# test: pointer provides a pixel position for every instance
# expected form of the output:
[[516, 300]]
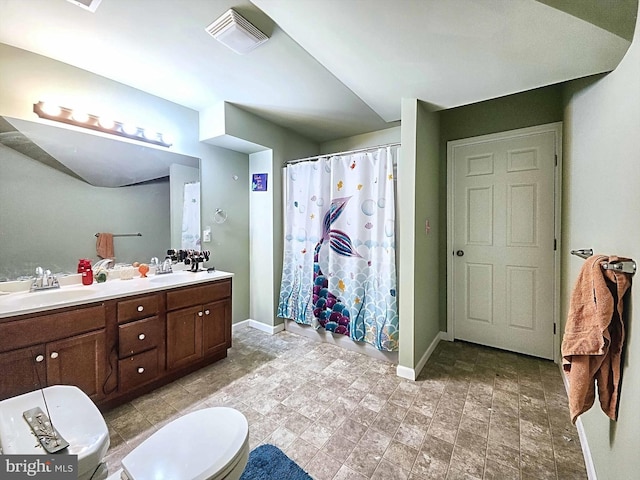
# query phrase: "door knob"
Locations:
[[39, 358], [460, 253], [54, 354]]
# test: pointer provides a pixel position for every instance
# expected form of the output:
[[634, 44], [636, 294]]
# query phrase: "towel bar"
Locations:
[[625, 267], [123, 235]]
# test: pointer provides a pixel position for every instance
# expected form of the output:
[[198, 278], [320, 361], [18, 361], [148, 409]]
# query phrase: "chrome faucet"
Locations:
[[44, 280], [165, 266]]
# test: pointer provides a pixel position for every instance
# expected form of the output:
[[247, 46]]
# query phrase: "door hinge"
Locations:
[[554, 328], [556, 159], [555, 244]]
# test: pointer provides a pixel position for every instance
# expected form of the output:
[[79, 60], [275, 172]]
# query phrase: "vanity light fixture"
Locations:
[[104, 125]]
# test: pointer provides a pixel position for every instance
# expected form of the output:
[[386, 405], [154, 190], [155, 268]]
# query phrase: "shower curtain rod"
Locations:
[[316, 157]]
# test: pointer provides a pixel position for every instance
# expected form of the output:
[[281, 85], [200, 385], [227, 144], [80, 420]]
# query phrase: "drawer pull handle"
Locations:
[[199, 314], [140, 370], [39, 358], [140, 308], [206, 312], [142, 336], [54, 354]]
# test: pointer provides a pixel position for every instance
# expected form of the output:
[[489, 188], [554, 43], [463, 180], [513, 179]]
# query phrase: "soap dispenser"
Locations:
[[84, 268]]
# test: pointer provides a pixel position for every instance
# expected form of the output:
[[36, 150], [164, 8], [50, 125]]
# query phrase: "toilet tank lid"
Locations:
[[196, 446]]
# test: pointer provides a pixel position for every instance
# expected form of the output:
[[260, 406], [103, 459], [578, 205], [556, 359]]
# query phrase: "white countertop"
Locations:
[[20, 303]]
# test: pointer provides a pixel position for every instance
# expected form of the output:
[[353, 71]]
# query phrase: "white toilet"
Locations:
[[72, 413], [207, 444]]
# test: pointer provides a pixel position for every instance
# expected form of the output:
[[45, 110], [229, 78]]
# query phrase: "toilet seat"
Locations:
[[200, 445], [73, 414]]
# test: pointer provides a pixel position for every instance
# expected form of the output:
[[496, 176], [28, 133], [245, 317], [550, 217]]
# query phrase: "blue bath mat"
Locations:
[[267, 462]]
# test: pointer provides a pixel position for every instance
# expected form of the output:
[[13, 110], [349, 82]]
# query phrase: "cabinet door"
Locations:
[[184, 336], [78, 361], [214, 326], [22, 371]]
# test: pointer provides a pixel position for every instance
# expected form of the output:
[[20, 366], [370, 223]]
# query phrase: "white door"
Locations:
[[502, 203]]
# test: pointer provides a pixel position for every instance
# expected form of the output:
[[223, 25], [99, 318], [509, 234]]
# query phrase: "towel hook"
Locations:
[[219, 216], [583, 252]]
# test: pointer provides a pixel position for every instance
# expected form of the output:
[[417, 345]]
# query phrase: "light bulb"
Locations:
[[51, 109], [129, 129], [80, 117], [150, 134], [106, 123]]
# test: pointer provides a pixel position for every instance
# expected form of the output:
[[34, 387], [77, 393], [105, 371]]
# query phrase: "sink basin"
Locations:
[[46, 297], [176, 276]]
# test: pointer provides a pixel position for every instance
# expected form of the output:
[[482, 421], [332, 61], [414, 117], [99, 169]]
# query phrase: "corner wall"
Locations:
[[601, 198], [229, 124], [418, 201]]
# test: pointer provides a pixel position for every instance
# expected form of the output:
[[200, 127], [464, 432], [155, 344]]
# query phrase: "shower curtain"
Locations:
[[339, 255], [191, 217]]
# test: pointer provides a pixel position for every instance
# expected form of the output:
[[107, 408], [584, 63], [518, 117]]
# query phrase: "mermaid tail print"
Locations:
[[330, 310]]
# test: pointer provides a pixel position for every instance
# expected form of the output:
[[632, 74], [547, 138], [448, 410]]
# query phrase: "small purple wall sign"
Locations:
[[259, 182]]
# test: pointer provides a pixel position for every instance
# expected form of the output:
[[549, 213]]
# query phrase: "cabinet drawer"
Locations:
[[186, 297], [48, 327], [140, 307], [139, 336], [138, 369]]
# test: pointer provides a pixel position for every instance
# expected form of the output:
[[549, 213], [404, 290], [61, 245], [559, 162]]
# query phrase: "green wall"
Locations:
[[270, 146], [418, 201], [600, 211]]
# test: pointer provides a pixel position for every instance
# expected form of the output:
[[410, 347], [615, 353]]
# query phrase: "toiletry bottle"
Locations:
[[87, 273]]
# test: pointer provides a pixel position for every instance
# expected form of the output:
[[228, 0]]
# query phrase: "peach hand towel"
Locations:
[[593, 337], [104, 245]]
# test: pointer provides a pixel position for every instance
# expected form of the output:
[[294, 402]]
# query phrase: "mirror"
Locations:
[[59, 187]]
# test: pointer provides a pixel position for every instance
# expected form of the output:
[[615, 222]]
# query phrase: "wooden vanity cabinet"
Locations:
[[60, 348], [141, 341], [118, 349], [198, 323]]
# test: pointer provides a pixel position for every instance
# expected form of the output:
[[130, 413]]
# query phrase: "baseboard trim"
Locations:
[[272, 330], [412, 373], [582, 435]]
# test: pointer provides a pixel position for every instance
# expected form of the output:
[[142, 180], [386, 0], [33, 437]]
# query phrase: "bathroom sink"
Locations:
[[47, 297], [165, 278], [175, 277]]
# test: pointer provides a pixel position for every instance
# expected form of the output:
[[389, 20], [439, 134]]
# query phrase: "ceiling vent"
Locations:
[[90, 5], [235, 32]]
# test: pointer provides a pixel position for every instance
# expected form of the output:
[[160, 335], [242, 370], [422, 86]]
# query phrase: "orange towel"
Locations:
[[104, 245], [593, 337]]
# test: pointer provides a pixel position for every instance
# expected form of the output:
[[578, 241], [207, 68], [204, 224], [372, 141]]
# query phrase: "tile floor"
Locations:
[[474, 412]]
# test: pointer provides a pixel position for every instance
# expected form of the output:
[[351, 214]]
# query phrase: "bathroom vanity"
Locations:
[[115, 340]]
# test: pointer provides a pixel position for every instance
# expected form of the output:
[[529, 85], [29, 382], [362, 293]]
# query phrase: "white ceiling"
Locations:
[[332, 68]]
